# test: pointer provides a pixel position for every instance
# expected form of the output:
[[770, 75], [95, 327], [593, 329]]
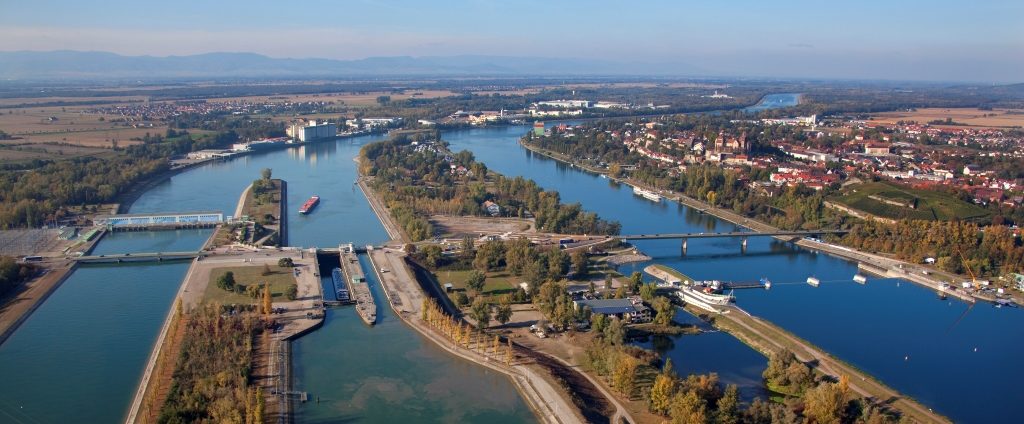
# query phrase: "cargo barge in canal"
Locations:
[[309, 205], [358, 287]]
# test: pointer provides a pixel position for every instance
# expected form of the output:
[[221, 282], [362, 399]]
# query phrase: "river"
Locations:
[[79, 357], [901, 333]]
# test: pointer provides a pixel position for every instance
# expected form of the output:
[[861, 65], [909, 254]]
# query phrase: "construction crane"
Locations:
[[974, 279]]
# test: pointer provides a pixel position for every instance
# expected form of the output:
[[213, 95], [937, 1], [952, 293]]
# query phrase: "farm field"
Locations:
[[894, 202], [997, 118]]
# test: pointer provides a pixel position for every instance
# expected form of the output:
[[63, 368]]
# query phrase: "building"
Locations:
[[566, 104], [492, 208], [312, 130], [630, 310], [876, 148], [538, 128]]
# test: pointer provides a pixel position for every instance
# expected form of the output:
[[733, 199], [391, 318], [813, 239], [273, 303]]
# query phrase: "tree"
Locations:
[[503, 314], [267, 308], [285, 263], [607, 281], [476, 281], [635, 281], [598, 323], [461, 299], [383, 100], [292, 292], [266, 174], [664, 310], [688, 408], [728, 406], [481, 312], [615, 333], [647, 292], [253, 290], [432, 255], [825, 404], [662, 390], [226, 281], [581, 264], [266, 270], [558, 264]]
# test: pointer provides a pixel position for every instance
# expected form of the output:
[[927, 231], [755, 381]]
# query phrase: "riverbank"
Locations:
[[390, 226], [767, 338]]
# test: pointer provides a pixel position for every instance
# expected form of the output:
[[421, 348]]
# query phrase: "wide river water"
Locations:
[[79, 357]]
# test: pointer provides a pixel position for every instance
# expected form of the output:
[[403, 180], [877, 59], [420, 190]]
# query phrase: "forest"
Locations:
[[420, 180], [40, 196]]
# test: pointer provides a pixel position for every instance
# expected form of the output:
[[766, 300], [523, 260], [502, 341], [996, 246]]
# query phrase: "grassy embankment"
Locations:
[[280, 279], [890, 201]]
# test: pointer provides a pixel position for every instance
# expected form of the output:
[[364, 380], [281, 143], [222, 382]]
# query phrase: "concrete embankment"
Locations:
[[390, 226]]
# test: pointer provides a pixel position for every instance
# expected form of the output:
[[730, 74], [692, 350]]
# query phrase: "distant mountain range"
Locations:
[[67, 64]]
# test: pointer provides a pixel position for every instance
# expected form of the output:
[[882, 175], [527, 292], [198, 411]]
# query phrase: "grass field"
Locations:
[[497, 283], [279, 280], [997, 118], [931, 205]]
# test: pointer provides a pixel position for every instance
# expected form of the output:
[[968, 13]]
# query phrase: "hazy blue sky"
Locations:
[[978, 40]]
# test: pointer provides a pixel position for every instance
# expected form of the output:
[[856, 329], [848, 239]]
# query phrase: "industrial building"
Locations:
[[312, 130]]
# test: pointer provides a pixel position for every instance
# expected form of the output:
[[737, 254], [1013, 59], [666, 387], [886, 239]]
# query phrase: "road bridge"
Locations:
[[734, 234], [138, 257]]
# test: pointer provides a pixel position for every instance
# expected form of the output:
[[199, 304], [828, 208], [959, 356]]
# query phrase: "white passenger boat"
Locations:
[[647, 194], [814, 281]]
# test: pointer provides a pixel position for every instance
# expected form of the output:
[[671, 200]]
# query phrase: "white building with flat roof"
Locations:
[[312, 130]]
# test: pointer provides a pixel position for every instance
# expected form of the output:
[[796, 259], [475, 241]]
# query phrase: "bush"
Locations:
[[461, 299], [285, 263], [226, 281], [292, 292]]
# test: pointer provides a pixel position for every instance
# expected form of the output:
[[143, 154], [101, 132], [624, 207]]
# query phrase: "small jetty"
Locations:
[[358, 289]]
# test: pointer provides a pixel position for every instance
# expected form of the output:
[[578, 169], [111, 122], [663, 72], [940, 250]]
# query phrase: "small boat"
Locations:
[[860, 279], [813, 281], [767, 283], [309, 205]]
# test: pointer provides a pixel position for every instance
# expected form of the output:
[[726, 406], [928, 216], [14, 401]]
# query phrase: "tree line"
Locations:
[[13, 273]]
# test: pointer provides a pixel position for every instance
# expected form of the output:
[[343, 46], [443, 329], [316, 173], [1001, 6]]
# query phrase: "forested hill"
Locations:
[[424, 178]]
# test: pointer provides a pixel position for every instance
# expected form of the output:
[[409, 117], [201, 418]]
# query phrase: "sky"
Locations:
[[980, 40]]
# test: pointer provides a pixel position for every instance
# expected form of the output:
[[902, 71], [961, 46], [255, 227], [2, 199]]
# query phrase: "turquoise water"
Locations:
[[79, 357]]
